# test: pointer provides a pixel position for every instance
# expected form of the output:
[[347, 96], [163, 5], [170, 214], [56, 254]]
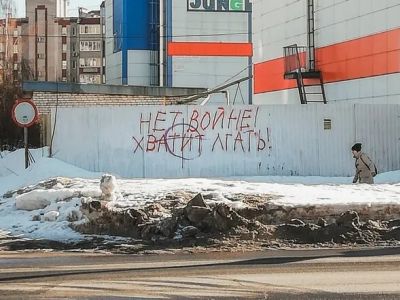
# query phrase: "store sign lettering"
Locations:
[[219, 5]]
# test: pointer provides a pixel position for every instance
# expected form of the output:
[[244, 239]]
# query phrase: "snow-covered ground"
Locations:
[[65, 199]]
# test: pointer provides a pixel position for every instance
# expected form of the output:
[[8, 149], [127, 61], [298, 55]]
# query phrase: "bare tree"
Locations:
[[7, 10], [12, 73], [10, 90]]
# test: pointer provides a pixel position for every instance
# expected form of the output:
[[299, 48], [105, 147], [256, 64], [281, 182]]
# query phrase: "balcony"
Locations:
[[296, 60]]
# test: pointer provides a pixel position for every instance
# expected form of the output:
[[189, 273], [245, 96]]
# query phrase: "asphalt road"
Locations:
[[298, 274]]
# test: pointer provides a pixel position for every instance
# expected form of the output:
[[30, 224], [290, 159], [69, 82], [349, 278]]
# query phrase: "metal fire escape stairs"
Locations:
[[300, 65]]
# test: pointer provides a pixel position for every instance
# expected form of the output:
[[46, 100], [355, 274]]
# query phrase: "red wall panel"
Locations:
[[373, 55], [209, 49]]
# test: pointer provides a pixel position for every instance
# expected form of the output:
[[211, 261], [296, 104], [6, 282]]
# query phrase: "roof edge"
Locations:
[[76, 88]]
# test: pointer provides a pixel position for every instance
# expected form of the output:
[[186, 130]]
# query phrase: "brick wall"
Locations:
[[45, 101]]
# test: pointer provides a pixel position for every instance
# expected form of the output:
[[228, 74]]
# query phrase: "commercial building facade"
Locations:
[[357, 49], [350, 46], [207, 43], [132, 42], [179, 43]]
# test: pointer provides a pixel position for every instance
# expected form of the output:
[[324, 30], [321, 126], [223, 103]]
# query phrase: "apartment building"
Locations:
[[90, 47], [47, 46], [43, 39], [68, 45], [13, 50]]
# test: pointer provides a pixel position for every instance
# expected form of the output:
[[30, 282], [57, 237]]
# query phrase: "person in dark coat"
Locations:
[[365, 168]]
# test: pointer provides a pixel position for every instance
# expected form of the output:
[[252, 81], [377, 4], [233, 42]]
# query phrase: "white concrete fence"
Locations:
[[212, 141]]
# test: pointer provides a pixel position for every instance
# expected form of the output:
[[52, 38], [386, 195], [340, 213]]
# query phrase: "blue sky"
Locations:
[[73, 7]]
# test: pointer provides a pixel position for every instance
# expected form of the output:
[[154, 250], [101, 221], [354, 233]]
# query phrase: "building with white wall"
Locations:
[[132, 42], [179, 43], [206, 44], [357, 49]]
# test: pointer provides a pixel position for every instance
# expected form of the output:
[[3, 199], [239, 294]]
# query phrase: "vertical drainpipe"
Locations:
[[124, 41], [161, 52], [250, 60], [168, 24], [310, 34]]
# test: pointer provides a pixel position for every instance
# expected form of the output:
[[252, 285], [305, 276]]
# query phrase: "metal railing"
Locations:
[[295, 58]]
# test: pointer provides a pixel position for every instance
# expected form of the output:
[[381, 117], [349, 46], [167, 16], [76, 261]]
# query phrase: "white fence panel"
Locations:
[[213, 141], [378, 128]]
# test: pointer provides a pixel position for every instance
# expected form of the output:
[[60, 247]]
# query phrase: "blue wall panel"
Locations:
[[133, 23], [118, 29], [136, 27], [136, 18]]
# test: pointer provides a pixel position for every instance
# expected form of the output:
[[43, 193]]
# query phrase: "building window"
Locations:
[[64, 64], [64, 47], [41, 39], [40, 56], [15, 48], [117, 42], [1, 47], [73, 47], [15, 67], [90, 62], [73, 31], [90, 46], [89, 29], [87, 78], [64, 30], [74, 64], [16, 33]]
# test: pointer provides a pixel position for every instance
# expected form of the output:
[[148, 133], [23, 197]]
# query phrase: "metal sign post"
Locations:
[[26, 147], [25, 114]]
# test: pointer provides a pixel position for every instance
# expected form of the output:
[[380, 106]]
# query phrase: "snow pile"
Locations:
[[31, 213], [50, 216], [14, 162], [109, 188], [47, 212], [39, 199], [16, 176], [35, 224]]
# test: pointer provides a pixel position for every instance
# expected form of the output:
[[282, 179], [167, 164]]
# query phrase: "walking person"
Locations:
[[365, 168]]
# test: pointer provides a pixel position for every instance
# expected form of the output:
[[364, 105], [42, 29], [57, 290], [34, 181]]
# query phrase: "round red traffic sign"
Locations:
[[24, 113]]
